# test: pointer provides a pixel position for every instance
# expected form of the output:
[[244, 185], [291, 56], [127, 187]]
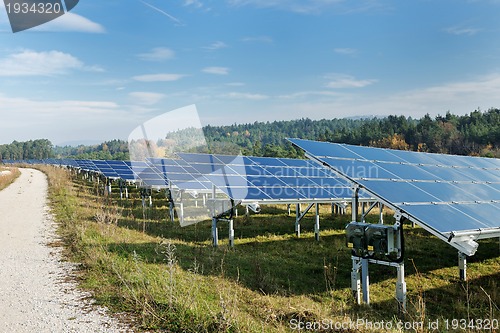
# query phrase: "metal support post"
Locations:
[[356, 279], [181, 212], [401, 289], [297, 220], [215, 236], [355, 203], [462, 265], [365, 281], [289, 209], [316, 224], [381, 213], [231, 233]]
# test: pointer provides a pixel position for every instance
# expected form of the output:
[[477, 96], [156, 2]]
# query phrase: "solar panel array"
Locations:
[[445, 193], [268, 179]]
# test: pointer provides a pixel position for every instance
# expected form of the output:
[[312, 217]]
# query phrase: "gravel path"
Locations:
[[35, 292]]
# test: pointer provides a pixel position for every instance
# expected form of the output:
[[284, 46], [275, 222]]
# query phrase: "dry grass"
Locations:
[[8, 176], [170, 279]]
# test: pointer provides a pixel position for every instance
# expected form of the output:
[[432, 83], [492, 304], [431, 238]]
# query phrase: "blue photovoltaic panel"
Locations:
[[446, 193], [181, 174], [264, 178], [105, 169], [123, 170]]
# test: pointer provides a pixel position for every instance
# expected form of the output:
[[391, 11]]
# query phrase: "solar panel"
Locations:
[[181, 174], [269, 179], [123, 169], [446, 194], [147, 175], [105, 169]]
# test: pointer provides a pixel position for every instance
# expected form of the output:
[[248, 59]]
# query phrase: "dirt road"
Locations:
[[35, 293]]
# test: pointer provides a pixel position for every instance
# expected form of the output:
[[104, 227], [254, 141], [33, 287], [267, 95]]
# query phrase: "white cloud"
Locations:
[[261, 39], [162, 77], [249, 96], [32, 63], [194, 3], [313, 6], [146, 98], [457, 97], [216, 46], [157, 54], [216, 70], [308, 94], [346, 51], [71, 22], [468, 31], [343, 81]]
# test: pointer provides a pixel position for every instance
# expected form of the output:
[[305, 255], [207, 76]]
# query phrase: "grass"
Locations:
[[8, 178], [168, 278]]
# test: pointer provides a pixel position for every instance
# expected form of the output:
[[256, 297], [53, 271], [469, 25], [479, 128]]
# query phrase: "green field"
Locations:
[[162, 277]]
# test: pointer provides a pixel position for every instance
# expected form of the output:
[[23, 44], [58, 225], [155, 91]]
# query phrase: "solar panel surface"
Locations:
[[268, 179], [445, 193]]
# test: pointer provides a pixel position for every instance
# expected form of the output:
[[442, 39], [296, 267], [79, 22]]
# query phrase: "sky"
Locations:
[[106, 67]]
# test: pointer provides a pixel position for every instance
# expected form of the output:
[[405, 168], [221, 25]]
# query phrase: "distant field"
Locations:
[[171, 278]]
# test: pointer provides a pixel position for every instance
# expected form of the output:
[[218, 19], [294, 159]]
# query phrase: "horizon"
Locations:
[[91, 75]]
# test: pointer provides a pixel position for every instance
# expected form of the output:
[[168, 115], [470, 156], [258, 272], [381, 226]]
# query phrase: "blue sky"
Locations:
[[108, 66]]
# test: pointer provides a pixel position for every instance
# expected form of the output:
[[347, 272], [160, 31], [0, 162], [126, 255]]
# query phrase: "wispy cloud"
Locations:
[[313, 6], [311, 93], [161, 11], [71, 22], [32, 63], [194, 3], [248, 96], [146, 98], [157, 54], [162, 77], [345, 51], [258, 39], [468, 31], [343, 81], [216, 46], [216, 70]]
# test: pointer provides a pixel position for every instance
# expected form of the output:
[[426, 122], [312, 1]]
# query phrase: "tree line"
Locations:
[[32, 149], [476, 133]]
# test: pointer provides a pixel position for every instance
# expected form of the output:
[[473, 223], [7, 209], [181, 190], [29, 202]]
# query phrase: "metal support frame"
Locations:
[[366, 212], [316, 224], [300, 215], [215, 236], [462, 265], [297, 220], [355, 203], [360, 280], [356, 279], [365, 281], [381, 213], [231, 232]]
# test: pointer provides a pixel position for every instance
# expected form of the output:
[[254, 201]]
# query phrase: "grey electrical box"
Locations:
[[377, 241], [356, 240]]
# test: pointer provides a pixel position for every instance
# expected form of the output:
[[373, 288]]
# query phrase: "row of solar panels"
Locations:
[[447, 195], [239, 177]]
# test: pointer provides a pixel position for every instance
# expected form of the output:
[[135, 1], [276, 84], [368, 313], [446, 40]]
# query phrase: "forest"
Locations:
[[476, 134]]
